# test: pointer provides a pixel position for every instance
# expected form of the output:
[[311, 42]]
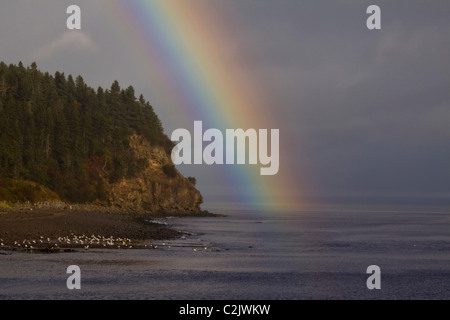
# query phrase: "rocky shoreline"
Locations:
[[88, 207], [60, 227]]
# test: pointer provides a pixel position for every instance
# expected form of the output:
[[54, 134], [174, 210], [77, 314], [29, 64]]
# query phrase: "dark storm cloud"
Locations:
[[368, 110]]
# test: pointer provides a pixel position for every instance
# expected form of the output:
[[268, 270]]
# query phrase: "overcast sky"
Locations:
[[363, 113]]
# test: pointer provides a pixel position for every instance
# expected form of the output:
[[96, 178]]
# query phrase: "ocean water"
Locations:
[[319, 253]]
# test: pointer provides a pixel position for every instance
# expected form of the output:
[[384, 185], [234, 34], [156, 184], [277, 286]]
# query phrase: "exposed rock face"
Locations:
[[153, 190]]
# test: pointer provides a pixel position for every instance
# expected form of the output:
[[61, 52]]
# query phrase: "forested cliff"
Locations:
[[86, 145]]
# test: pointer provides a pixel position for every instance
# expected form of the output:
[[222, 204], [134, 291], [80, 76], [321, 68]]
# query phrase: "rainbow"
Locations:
[[191, 45]]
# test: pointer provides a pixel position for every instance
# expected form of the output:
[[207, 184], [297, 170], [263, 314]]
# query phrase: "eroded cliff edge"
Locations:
[[153, 190]]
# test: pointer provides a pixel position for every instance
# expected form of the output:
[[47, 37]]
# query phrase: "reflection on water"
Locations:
[[308, 254]]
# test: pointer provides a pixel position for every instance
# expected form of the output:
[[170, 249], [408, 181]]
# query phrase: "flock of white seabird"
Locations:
[[73, 240], [94, 241]]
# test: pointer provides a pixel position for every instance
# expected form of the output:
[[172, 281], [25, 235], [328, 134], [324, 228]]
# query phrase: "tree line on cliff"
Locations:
[[64, 135]]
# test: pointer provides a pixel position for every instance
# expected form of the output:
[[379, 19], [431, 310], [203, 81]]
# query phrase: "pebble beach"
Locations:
[[63, 229]]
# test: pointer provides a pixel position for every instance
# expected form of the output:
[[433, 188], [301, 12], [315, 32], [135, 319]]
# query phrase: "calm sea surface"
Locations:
[[320, 253]]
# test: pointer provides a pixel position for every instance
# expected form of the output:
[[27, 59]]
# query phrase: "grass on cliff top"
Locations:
[[14, 191]]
